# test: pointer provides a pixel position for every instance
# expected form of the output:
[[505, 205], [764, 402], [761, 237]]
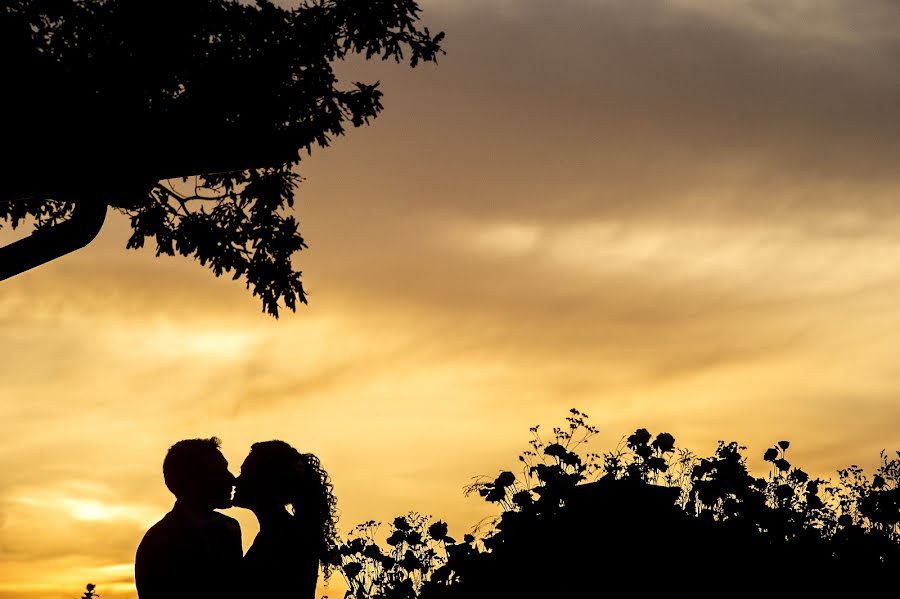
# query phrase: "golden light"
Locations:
[[88, 509]]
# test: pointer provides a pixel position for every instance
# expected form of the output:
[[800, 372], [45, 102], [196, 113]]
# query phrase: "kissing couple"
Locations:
[[195, 552]]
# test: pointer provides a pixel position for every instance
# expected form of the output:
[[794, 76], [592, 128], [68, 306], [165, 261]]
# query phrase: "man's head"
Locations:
[[197, 473]]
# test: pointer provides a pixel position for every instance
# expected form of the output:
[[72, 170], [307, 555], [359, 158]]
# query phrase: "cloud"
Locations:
[[587, 108], [828, 21]]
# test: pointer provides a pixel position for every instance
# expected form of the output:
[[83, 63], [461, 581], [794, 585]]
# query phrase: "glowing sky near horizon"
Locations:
[[674, 214]]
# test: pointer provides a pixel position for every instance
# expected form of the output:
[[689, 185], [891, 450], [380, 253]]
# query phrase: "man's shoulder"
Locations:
[[166, 527], [226, 522], [220, 517]]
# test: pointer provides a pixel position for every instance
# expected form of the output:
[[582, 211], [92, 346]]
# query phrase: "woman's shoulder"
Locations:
[[292, 539]]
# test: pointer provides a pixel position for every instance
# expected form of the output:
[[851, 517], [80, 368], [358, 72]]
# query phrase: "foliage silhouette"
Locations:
[[417, 551], [647, 515], [187, 116], [89, 592]]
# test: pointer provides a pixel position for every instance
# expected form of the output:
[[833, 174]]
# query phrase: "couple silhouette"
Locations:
[[195, 552]]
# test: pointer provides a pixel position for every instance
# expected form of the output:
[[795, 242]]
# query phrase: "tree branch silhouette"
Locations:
[[112, 97]]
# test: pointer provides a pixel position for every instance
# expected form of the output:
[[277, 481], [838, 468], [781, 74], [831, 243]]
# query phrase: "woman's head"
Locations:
[[270, 476], [275, 475]]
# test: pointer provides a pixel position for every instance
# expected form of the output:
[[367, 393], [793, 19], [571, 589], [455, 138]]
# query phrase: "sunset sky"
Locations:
[[673, 214]]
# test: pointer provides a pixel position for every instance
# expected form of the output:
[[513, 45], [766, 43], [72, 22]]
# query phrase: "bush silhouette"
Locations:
[[647, 516]]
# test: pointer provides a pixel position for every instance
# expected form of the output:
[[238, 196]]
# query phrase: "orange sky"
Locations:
[[677, 214]]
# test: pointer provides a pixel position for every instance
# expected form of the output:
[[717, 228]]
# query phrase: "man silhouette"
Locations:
[[194, 552]]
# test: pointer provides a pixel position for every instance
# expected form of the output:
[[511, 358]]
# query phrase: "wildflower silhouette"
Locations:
[[647, 514], [89, 592]]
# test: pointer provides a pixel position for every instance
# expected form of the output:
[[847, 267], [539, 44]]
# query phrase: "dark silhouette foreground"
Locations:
[[646, 519], [195, 552]]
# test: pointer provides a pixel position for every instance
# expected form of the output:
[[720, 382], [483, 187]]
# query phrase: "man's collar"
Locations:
[[194, 517]]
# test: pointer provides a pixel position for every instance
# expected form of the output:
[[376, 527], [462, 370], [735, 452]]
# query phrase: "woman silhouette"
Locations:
[[290, 494]]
